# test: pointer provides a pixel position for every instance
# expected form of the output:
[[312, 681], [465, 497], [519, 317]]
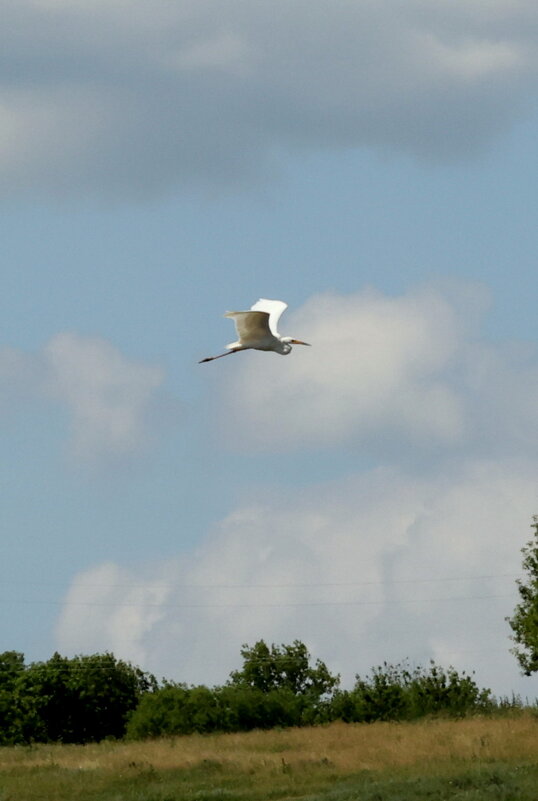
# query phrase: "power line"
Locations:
[[179, 585], [293, 604]]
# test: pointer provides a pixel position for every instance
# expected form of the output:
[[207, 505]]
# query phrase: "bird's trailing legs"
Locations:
[[228, 353]]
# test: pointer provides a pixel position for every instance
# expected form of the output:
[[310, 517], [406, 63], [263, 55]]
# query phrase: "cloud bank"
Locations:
[[407, 557], [385, 373], [131, 98], [380, 567], [106, 395]]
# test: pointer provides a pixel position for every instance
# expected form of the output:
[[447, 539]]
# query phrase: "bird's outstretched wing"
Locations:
[[251, 326], [274, 308]]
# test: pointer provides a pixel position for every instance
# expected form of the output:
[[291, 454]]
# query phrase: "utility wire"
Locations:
[[174, 585], [120, 603]]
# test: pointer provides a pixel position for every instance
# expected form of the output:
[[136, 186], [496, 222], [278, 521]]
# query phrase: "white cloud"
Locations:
[[386, 374], [410, 558], [413, 558], [118, 614], [106, 394], [384, 565], [130, 97], [108, 397]]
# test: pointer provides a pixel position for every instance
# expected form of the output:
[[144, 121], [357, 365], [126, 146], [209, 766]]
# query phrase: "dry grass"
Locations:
[[344, 748]]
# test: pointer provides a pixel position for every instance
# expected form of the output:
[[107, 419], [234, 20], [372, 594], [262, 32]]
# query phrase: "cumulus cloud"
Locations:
[[383, 565], [409, 557], [376, 363], [130, 98], [118, 612], [386, 372], [107, 396]]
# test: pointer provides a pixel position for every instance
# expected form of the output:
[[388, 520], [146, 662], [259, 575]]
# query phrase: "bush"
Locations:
[[396, 692], [447, 692], [382, 696], [249, 708], [178, 709]]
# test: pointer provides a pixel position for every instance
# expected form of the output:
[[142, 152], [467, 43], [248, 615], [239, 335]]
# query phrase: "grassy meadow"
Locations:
[[467, 760]]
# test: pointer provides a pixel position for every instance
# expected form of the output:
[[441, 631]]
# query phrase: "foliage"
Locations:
[[438, 690], [390, 692], [250, 708], [74, 700], [397, 692], [175, 709], [11, 669], [89, 698], [277, 686], [178, 709], [283, 667], [524, 622]]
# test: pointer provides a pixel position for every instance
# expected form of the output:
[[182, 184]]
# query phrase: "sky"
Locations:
[[373, 163]]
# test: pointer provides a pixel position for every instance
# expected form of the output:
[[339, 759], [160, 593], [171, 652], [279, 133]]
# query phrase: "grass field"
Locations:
[[467, 760]]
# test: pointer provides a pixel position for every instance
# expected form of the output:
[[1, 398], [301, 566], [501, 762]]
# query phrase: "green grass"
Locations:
[[468, 760], [479, 784], [517, 783]]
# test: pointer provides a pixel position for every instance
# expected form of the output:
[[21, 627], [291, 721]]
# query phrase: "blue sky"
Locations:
[[372, 164]]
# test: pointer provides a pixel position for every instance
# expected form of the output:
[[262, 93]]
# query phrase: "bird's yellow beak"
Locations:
[[298, 342]]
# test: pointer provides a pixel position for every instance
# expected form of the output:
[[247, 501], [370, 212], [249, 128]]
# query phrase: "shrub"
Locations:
[[397, 692], [178, 709]]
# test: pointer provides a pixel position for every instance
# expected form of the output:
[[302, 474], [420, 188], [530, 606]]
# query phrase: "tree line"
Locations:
[[77, 700], [89, 698]]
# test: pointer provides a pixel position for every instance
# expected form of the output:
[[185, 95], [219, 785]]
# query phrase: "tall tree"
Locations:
[[283, 667], [11, 669], [524, 622], [76, 700]]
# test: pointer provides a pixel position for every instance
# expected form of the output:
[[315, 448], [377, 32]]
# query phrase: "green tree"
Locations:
[[283, 667], [524, 622], [76, 700], [11, 669]]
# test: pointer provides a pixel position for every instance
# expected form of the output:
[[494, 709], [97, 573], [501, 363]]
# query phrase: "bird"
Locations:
[[257, 330]]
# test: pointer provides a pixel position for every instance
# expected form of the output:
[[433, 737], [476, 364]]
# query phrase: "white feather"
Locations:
[[274, 308]]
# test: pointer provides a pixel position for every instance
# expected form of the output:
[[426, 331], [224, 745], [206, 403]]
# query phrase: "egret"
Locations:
[[257, 330]]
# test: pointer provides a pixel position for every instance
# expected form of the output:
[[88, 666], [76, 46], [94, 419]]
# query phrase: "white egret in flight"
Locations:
[[256, 329]]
